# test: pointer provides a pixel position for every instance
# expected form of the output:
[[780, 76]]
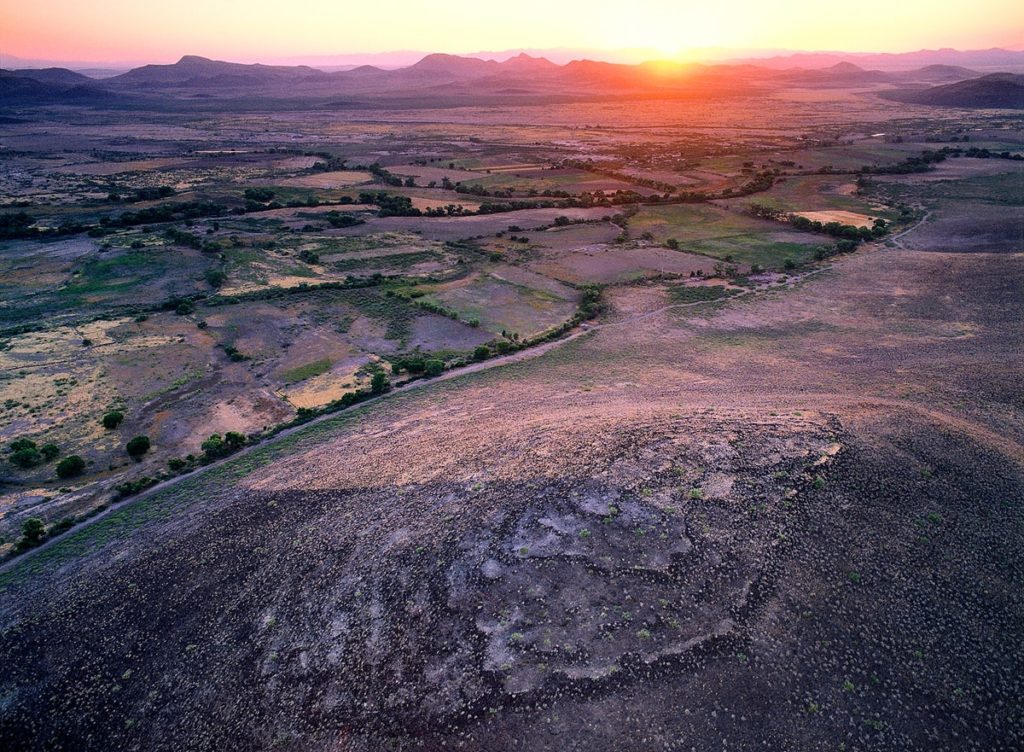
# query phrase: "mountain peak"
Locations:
[[522, 60], [845, 67], [455, 65], [193, 60]]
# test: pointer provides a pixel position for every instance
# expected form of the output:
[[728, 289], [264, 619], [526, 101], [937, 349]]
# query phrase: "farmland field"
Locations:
[[722, 234]]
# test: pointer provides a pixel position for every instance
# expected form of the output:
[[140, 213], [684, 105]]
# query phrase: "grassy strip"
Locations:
[[307, 371]]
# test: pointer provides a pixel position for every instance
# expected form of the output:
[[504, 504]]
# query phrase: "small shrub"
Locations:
[[113, 419], [482, 352], [33, 532], [216, 278], [26, 458], [70, 467], [62, 526], [18, 444], [433, 367], [137, 446], [234, 354]]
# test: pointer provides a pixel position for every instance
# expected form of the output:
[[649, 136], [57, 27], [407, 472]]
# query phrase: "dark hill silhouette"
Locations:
[[996, 90], [193, 70], [56, 76], [17, 89], [941, 74]]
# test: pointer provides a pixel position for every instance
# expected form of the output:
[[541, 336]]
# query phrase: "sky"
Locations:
[[269, 30]]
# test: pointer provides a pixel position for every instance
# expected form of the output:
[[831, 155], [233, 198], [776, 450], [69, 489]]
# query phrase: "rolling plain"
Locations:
[[611, 423]]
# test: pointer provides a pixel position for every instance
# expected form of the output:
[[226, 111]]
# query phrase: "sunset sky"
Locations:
[[253, 30]]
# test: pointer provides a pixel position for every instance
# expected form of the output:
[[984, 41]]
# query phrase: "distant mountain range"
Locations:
[[451, 78], [994, 59], [983, 60]]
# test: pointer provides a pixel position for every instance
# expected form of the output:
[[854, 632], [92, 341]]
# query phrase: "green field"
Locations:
[[306, 371], [501, 306], [724, 234]]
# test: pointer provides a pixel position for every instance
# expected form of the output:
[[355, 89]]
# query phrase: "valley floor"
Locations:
[[790, 520]]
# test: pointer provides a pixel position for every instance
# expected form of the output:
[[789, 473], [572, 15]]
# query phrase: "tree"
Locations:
[[71, 466], [213, 447], [590, 301], [26, 457], [259, 194], [234, 440], [218, 446], [137, 446], [482, 352], [18, 444], [49, 451], [112, 419], [216, 277], [379, 383], [32, 533]]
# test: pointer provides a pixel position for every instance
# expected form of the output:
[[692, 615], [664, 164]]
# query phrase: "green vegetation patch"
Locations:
[[701, 294], [723, 234], [396, 314], [307, 371], [498, 305]]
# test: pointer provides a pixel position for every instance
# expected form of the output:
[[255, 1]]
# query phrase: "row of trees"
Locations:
[[836, 229]]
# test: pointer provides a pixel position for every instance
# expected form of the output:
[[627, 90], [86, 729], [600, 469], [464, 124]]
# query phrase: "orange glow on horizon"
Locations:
[[252, 30]]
